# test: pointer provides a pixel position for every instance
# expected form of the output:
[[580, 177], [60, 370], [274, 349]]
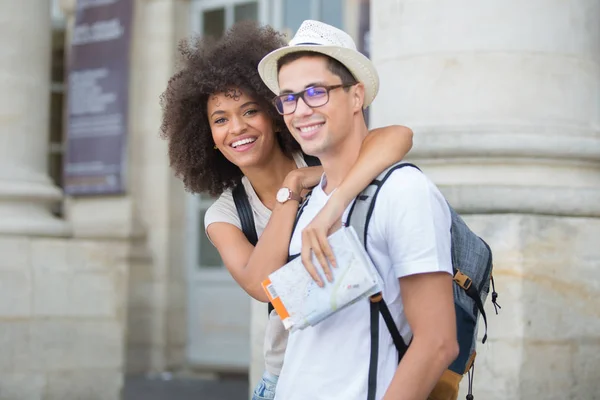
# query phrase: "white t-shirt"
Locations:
[[409, 233], [223, 210]]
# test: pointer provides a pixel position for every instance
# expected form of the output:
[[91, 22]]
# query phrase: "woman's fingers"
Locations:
[[315, 242], [326, 248], [311, 176], [306, 256], [316, 248]]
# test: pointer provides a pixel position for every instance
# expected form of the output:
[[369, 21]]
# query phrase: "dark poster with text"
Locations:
[[95, 159]]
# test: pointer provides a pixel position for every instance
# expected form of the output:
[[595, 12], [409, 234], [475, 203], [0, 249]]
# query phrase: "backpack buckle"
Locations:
[[376, 298], [463, 280]]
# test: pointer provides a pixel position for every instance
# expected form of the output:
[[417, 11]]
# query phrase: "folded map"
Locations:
[[300, 302]]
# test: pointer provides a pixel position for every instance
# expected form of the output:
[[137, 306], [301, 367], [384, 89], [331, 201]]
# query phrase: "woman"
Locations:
[[222, 130]]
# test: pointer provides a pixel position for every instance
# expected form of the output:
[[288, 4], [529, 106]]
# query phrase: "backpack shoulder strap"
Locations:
[[361, 211], [244, 210], [298, 215], [359, 217], [311, 161]]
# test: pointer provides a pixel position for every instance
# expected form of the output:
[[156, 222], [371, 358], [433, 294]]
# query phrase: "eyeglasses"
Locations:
[[314, 96]]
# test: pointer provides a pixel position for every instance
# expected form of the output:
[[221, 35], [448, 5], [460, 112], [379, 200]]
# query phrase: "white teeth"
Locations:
[[242, 142], [306, 129]]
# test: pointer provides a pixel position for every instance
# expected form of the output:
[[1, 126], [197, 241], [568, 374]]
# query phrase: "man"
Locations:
[[323, 83]]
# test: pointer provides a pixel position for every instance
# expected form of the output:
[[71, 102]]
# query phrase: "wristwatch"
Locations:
[[284, 194]]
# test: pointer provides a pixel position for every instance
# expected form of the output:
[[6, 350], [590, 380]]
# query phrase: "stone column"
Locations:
[[26, 191], [504, 99], [157, 312]]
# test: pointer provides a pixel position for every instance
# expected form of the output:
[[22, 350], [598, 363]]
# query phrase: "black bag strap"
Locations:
[[378, 305], [372, 382], [401, 347], [361, 197], [311, 161], [298, 215], [244, 210]]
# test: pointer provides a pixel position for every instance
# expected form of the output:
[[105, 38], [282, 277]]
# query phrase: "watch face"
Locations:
[[283, 195]]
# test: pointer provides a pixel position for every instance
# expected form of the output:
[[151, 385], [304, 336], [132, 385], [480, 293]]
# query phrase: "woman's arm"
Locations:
[[380, 149], [250, 265]]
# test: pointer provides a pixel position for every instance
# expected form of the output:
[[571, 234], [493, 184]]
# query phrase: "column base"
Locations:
[[545, 341], [30, 220], [524, 186], [25, 209], [62, 317]]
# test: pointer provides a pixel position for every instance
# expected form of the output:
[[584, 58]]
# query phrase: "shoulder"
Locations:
[[222, 210], [408, 183], [412, 217], [408, 194], [407, 175]]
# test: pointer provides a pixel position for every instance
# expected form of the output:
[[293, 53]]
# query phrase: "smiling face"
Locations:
[[319, 130], [241, 128]]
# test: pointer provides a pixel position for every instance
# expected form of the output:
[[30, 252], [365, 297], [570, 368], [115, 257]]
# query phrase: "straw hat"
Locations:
[[321, 38]]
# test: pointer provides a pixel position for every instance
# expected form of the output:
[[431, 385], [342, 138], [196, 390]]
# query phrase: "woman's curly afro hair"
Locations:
[[208, 67]]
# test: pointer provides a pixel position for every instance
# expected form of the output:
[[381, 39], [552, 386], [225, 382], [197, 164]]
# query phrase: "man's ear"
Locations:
[[358, 96]]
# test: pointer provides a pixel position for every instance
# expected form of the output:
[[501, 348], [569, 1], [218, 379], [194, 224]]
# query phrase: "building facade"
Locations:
[[504, 99]]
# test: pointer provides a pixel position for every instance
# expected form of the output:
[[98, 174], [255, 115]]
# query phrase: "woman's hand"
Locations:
[[303, 179], [314, 238]]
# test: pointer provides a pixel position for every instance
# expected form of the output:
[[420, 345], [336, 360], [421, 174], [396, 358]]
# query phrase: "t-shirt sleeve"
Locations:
[[414, 220], [222, 210]]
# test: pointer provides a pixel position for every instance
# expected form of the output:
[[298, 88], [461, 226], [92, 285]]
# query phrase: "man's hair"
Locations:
[[208, 67], [333, 65]]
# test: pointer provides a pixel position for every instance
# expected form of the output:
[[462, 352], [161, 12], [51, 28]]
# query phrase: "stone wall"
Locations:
[[545, 341], [158, 289], [62, 318], [504, 100]]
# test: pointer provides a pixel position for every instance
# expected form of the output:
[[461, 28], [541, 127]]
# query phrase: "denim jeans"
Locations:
[[265, 390]]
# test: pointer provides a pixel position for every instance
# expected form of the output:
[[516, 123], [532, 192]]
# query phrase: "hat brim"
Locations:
[[357, 63]]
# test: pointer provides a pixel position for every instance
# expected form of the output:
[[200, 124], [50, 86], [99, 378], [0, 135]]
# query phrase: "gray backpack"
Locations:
[[472, 265]]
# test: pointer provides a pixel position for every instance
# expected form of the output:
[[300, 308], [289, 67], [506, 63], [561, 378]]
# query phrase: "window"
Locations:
[[294, 12], [328, 11], [213, 22], [212, 18], [332, 12], [244, 12]]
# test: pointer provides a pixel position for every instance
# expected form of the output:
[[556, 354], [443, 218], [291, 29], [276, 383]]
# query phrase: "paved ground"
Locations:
[[144, 388]]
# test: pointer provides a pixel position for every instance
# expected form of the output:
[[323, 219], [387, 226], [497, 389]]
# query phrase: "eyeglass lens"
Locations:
[[312, 96]]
